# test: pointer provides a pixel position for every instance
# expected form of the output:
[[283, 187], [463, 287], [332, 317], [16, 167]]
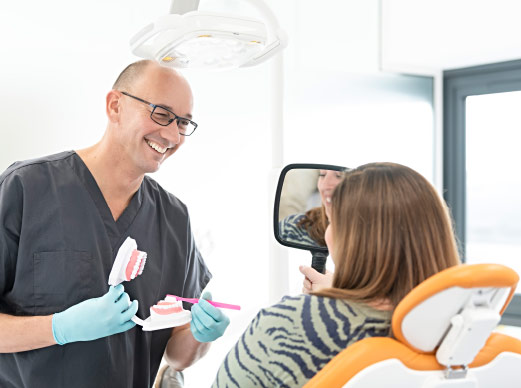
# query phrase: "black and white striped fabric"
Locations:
[[288, 343], [291, 232]]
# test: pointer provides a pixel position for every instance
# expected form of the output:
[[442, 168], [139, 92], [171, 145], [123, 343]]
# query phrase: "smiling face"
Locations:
[[144, 143], [327, 181]]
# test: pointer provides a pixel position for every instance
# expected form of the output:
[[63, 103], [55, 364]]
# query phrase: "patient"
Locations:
[[389, 232]]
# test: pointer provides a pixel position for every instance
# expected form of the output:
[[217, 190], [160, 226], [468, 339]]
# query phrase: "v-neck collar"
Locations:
[[115, 229]]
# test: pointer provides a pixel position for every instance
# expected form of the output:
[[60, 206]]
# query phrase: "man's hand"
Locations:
[[313, 280], [95, 318], [208, 322]]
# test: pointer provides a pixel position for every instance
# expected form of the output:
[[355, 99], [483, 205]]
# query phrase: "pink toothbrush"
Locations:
[[216, 304]]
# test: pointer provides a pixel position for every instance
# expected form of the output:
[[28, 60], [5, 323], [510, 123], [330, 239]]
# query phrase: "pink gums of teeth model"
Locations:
[[129, 263]]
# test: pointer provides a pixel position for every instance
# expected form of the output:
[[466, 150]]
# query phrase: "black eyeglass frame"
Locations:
[[154, 106]]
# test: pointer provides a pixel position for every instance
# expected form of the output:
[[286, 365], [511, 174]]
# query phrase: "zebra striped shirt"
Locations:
[[287, 344], [290, 231]]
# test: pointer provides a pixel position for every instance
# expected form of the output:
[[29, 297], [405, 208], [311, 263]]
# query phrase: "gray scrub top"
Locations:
[[58, 241]]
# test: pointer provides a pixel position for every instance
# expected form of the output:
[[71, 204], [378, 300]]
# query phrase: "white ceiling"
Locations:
[[448, 34]]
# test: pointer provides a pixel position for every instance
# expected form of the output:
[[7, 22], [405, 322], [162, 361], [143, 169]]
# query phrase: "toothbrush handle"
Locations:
[[215, 304], [189, 300], [224, 305]]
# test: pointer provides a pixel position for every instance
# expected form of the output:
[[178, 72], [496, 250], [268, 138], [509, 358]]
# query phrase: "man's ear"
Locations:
[[112, 105]]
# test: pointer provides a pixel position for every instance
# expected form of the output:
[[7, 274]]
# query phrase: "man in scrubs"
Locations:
[[62, 220]]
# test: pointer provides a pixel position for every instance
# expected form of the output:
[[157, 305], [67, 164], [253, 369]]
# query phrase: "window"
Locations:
[[482, 184]]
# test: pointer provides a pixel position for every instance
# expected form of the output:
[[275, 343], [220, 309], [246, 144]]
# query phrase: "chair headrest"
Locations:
[[476, 292]]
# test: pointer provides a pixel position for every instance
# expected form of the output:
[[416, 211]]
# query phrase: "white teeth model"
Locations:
[[328, 199], [157, 147], [139, 265], [128, 264], [166, 313]]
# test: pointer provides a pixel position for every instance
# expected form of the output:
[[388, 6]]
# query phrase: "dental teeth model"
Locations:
[[129, 263], [165, 309], [166, 313]]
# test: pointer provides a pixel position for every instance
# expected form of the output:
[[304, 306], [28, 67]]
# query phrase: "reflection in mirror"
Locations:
[[304, 202]]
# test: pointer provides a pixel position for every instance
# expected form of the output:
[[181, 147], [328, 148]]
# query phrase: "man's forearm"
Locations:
[[18, 334], [183, 349]]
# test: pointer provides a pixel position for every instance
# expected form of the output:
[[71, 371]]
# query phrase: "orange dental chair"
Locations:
[[443, 338]]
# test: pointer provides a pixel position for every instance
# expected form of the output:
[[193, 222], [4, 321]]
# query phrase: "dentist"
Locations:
[[62, 220]]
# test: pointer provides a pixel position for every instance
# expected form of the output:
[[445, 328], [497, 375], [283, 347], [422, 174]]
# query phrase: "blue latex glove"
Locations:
[[208, 322], [95, 318]]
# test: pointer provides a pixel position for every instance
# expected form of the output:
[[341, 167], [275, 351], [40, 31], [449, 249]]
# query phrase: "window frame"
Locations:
[[458, 84]]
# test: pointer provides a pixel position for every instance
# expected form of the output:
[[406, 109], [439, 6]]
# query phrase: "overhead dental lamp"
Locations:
[[188, 38]]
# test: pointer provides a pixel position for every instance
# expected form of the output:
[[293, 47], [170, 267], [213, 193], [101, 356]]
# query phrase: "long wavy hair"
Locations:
[[391, 231]]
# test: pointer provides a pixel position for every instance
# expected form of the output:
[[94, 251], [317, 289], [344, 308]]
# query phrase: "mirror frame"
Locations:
[[276, 206]]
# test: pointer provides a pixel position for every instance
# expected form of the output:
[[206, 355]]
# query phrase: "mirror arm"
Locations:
[[318, 261]]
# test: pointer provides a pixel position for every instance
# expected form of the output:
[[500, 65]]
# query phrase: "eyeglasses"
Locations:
[[164, 117]]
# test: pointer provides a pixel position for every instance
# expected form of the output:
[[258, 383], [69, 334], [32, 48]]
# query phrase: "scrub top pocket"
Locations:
[[61, 279]]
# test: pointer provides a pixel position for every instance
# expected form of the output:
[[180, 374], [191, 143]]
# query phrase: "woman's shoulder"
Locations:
[[304, 310], [305, 306], [287, 309], [294, 339], [298, 305]]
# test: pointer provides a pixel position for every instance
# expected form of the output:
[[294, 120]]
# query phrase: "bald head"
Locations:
[[135, 71], [129, 75]]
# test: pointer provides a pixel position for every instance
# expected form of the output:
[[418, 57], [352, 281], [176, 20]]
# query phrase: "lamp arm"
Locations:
[[268, 16], [181, 7], [276, 35]]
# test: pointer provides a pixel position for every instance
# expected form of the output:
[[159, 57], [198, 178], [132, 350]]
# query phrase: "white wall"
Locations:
[[59, 60], [421, 35], [340, 109]]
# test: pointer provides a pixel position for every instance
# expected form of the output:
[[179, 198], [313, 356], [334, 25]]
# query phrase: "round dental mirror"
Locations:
[[302, 204]]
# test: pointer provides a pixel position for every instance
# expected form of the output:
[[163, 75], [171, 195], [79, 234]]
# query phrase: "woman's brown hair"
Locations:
[[391, 231], [315, 222]]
